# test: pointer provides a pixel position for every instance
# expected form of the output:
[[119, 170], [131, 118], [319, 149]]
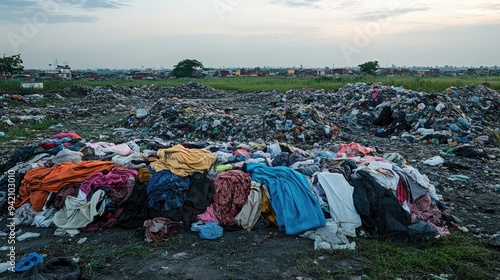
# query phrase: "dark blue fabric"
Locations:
[[166, 191], [297, 209]]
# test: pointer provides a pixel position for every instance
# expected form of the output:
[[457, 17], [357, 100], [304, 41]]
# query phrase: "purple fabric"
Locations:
[[115, 180]]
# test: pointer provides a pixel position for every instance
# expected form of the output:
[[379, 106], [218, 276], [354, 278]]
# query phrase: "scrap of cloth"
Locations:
[[231, 193], [297, 209], [39, 182], [182, 161], [353, 149]]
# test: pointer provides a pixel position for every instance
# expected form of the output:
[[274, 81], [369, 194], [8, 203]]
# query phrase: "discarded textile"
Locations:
[[78, 213], [340, 202], [67, 155], [200, 195], [183, 162], [135, 160], [119, 180], [60, 268], [160, 229], [329, 237], [135, 208], [423, 209], [231, 193], [24, 215], [31, 260], [102, 148], [267, 210], [144, 175], [379, 209], [353, 149], [210, 230], [297, 210], [251, 211], [39, 182], [166, 193]]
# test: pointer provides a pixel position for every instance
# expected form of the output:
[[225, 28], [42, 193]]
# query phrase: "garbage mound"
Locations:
[[308, 117]]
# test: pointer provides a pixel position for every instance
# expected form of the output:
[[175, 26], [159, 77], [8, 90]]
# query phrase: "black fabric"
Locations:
[[379, 209], [135, 209], [421, 230], [21, 154], [61, 268], [398, 123], [469, 151], [385, 117], [200, 195]]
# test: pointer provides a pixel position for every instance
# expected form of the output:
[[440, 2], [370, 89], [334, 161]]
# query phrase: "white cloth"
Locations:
[[77, 213], [250, 212], [67, 155], [384, 174], [339, 195], [329, 237], [44, 218], [127, 160]]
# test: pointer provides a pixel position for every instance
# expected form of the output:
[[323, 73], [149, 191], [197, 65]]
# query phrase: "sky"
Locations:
[[157, 34]]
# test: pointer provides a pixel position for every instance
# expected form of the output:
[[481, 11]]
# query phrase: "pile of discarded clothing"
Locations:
[[208, 187]]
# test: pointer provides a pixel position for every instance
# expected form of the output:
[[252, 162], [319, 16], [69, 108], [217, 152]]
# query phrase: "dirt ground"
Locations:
[[262, 254]]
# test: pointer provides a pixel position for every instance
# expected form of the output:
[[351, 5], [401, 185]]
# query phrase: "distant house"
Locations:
[[340, 71], [224, 73], [89, 76], [143, 75]]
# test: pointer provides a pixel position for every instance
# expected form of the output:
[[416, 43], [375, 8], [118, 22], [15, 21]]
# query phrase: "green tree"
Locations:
[[369, 67], [11, 64], [186, 68]]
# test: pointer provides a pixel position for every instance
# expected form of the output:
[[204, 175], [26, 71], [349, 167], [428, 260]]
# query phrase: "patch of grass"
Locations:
[[281, 84], [24, 129], [458, 256]]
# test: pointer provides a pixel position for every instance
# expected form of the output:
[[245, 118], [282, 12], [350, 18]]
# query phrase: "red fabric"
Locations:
[[401, 193], [48, 145], [231, 193], [72, 135], [39, 182]]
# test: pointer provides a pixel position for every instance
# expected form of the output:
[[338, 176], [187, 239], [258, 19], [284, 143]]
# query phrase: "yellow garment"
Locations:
[[144, 175], [182, 161], [267, 210]]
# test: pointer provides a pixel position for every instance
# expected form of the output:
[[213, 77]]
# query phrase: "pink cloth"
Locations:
[[208, 215], [425, 210], [353, 149]]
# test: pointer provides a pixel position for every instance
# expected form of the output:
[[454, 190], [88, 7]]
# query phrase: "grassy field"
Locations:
[[252, 84]]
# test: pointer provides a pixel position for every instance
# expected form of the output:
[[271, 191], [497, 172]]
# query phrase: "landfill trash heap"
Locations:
[[306, 117]]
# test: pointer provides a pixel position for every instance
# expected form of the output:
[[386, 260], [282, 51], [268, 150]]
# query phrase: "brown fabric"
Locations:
[[183, 162], [144, 175], [39, 182], [231, 193], [68, 190], [160, 229]]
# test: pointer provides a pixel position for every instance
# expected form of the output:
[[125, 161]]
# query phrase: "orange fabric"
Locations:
[[39, 182]]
